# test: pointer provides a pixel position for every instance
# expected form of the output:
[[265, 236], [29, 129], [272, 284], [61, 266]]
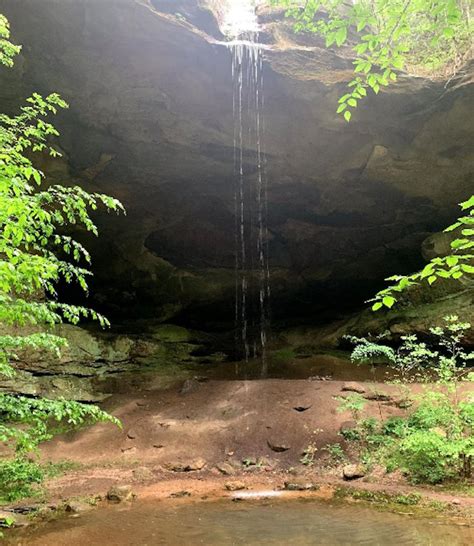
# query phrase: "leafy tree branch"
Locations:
[[456, 265], [35, 255], [388, 36]]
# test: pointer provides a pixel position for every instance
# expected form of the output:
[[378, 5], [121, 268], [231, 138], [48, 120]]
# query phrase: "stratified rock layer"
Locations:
[[151, 123]]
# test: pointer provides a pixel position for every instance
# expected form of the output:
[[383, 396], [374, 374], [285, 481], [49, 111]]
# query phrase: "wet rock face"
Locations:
[[151, 123], [93, 362]]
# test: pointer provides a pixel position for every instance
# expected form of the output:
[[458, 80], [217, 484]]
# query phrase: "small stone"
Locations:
[[131, 434], [142, 474], [189, 385], [300, 485], [158, 446], [456, 502], [191, 466], [180, 494], [348, 425], [164, 425], [226, 469], [266, 463], [403, 403], [77, 507], [352, 386], [197, 464], [235, 486], [378, 396], [7, 519], [45, 512], [129, 450], [235, 463], [278, 447], [249, 461], [119, 493], [353, 472]]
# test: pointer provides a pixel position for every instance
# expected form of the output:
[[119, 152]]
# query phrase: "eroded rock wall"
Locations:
[[151, 123]]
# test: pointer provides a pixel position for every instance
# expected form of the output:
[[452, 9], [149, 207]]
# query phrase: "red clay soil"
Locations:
[[216, 422]]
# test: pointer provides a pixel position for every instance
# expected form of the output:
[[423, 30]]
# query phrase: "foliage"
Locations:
[[434, 441], [354, 402], [387, 36], [17, 477], [454, 266], [35, 255], [369, 351], [309, 454], [414, 359], [7, 49], [335, 452], [381, 497]]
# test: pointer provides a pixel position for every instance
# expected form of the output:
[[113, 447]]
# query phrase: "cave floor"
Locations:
[[191, 439]]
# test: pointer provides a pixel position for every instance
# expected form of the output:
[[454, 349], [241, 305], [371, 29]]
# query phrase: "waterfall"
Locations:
[[252, 278]]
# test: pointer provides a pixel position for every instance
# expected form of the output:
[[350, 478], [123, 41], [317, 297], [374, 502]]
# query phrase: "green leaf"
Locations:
[[467, 204], [388, 301], [347, 115], [341, 36], [37, 176], [452, 260], [452, 227], [377, 305], [448, 32], [345, 97]]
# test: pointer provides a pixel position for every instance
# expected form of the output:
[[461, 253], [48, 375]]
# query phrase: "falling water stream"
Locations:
[[252, 282]]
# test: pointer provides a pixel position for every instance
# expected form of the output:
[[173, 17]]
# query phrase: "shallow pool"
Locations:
[[296, 523]]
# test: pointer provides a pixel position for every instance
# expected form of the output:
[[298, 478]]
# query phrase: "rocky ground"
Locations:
[[209, 439]]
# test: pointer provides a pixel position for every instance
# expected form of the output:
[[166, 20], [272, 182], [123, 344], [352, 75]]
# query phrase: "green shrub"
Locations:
[[434, 440], [426, 456], [17, 478]]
